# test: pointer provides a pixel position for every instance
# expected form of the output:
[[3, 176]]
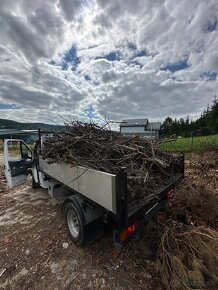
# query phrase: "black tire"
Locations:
[[34, 184], [74, 221]]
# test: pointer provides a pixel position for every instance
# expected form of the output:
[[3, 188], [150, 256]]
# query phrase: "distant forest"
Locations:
[[206, 124]]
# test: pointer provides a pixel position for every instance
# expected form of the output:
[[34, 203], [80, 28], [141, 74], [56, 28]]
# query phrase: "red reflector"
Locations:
[[125, 233]]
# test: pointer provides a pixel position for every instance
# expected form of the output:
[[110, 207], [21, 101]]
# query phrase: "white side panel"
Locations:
[[95, 185]]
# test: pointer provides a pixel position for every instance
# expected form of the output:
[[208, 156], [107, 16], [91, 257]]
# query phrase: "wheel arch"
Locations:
[[76, 203], [92, 218]]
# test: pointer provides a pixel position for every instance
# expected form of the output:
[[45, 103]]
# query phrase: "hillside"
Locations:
[[10, 124]]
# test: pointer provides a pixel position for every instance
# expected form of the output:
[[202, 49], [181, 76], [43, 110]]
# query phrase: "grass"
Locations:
[[189, 145]]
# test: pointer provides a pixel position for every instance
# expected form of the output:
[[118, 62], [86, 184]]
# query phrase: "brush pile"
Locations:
[[94, 147], [188, 236]]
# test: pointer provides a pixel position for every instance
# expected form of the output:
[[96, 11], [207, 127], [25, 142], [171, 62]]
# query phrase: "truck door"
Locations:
[[17, 160]]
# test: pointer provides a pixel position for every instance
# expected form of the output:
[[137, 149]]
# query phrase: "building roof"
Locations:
[[134, 122]]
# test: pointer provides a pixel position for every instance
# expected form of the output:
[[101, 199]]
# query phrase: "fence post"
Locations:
[[192, 140]]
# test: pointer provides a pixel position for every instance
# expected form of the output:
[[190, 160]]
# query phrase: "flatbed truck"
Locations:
[[93, 200]]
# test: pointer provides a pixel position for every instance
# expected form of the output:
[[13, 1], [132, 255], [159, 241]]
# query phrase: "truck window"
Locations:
[[14, 152], [17, 151]]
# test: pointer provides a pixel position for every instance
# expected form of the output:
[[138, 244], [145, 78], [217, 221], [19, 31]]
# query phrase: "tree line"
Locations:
[[206, 124]]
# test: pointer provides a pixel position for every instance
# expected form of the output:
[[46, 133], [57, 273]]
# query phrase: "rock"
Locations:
[[54, 267], [65, 245], [102, 282], [147, 275]]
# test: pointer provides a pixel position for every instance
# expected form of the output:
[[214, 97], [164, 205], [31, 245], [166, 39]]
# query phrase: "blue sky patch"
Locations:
[[5, 106], [141, 53], [64, 66], [113, 56], [89, 112], [212, 25], [70, 58], [210, 76], [180, 65], [131, 46], [87, 78], [137, 52]]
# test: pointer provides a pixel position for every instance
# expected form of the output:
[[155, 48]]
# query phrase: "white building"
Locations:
[[140, 126]]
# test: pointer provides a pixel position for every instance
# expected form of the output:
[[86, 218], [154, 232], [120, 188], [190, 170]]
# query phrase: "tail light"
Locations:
[[127, 232]]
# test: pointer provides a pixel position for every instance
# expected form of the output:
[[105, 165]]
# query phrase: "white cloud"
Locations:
[[120, 51]]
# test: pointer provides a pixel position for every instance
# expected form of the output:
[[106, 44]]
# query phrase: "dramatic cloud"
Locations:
[[123, 59]]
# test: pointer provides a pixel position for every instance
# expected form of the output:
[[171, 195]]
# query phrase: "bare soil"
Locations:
[[37, 253]]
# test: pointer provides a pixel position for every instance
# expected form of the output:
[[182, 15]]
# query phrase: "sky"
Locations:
[[104, 59]]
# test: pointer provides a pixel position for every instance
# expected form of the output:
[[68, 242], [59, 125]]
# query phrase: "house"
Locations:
[[140, 126]]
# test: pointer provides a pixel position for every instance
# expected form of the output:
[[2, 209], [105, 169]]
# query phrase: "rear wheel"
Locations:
[[74, 221]]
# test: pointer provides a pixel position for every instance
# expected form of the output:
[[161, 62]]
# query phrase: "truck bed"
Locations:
[[105, 189], [98, 186]]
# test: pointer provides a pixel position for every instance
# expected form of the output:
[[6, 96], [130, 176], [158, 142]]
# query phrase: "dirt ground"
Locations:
[[37, 253]]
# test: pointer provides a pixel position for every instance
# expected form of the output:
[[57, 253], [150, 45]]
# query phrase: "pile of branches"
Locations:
[[188, 236], [98, 148], [188, 257]]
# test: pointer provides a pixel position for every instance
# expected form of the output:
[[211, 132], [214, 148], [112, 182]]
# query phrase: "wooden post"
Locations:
[[192, 140]]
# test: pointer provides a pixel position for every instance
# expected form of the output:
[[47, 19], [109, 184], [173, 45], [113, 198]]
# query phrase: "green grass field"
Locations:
[[189, 145]]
